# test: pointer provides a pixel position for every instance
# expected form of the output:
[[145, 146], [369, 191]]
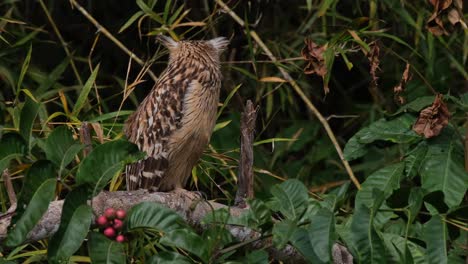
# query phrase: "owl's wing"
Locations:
[[150, 127]]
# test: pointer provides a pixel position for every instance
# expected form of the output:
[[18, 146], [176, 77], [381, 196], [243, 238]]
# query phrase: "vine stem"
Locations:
[[106, 33], [298, 90]]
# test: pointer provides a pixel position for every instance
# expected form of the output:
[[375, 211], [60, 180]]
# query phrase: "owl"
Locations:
[[175, 121]]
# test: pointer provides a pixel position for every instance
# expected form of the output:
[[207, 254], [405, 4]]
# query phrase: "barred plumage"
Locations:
[[174, 122]]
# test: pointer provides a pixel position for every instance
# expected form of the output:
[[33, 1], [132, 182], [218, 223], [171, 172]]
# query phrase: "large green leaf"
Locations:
[[385, 180], [414, 159], [57, 144], [80, 102], [32, 214], [397, 130], [27, 117], [443, 168], [61, 148], [105, 251], [435, 236], [365, 238], [282, 232], [168, 257], [301, 241], [12, 145], [38, 173], [74, 226], [322, 234], [289, 198], [153, 215], [105, 161], [402, 250], [187, 240]]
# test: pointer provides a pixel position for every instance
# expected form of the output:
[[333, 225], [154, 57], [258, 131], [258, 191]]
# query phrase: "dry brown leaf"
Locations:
[[432, 119], [99, 132], [400, 88], [272, 79], [313, 53], [451, 10], [374, 61]]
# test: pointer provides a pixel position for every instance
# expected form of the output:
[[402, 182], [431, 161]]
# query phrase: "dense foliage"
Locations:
[[389, 76]]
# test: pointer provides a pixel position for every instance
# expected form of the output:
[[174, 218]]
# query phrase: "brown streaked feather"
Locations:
[[174, 122]]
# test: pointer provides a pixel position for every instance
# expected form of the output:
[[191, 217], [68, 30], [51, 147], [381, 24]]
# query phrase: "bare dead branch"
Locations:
[[245, 176]]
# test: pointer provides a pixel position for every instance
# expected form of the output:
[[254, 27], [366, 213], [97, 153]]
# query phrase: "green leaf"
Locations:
[[169, 257], [105, 251], [256, 257], [228, 98], [386, 180], [365, 238], [24, 69], [187, 240], [110, 115], [289, 198], [417, 105], [74, 226], [443, 168], [52, 78], [322, 234], [414, 203], [84, 92], [216, 237], [12, 146], [414, 159], [397, 130], [38, 205], [40, 172], [143, 6], [153, 215], [282, 232], [105, 161], [57, 144], [301, 241], [27, 117], [435, 236], [131, 20]]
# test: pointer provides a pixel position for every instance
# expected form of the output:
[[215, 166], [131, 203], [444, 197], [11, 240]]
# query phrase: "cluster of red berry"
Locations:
[[111, 222]]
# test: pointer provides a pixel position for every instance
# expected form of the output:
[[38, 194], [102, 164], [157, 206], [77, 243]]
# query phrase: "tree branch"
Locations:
[[184, 203], [245, 176]]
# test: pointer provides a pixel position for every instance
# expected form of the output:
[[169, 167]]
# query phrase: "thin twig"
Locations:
[[299, 91], [245, 176], [62, 41], [106, 33], [85, 137], [10, 191]]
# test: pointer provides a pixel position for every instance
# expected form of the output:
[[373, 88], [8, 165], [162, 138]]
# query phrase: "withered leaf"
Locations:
[[432, 119], [400, 88], [314, 55]]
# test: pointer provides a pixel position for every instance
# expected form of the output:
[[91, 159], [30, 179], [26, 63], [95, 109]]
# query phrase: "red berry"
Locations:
[[102, 221], [120, 238], [109, 232], [118, 224], [120, 214], [110, 213]]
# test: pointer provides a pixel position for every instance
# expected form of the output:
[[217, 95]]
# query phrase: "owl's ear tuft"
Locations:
[[220, 43], [168, 42]]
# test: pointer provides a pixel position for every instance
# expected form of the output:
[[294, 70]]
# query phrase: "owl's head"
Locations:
[[194, 49]]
